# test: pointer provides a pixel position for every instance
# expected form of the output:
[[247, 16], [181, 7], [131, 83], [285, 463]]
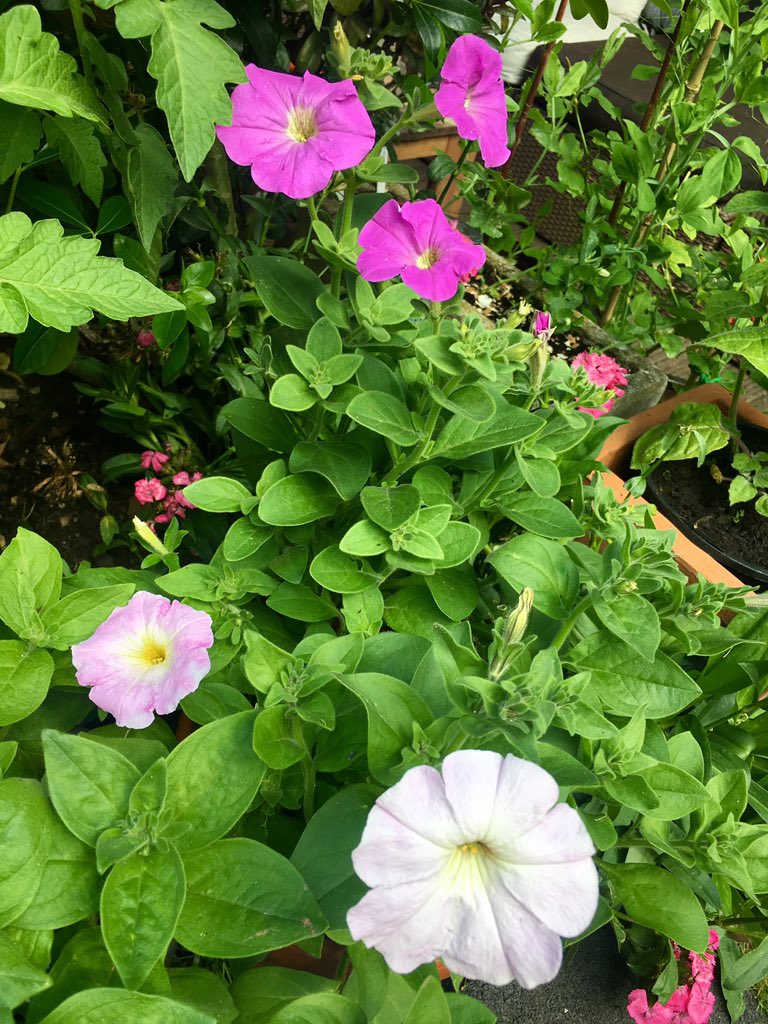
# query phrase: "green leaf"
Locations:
[[203, 990], [70, 884], [260, 422], [244, 899], [151, 181], [655, 898], [740, 489], [20, 130], [212, 778], [632, 618], [298, 499], [191, 66], [384, 414], [30, 580], [462, 437], [749, 969], [346, 466], [140, 906], [259, 993], [391, 507], [338, 572], [691, 432], [677, 792], [625, 681], [392, 708], [364, 539], [244, 538], [546, 517], [459, 15], [196, 581], [60, 280], [288, 289], [323, 854], [299, 602], [25, 675], [90, 784], [25, 841], [35, 73], [429, 1004], [292, 393], [459, 542], [273, 738], [321, 1008], [217, 494], [77, 615], [43, 350], [19, 979], [116, 1006], [80, 151], [543, 565], [454, 591]]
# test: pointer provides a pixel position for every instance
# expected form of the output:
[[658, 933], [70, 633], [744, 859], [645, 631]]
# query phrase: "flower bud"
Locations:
[[148, 536], [517, 620], [537, 364], [341, 47]]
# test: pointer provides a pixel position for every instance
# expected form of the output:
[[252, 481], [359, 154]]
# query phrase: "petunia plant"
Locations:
[[414, 691]]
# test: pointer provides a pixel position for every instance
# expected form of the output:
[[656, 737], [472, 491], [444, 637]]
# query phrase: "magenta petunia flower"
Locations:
[[471, 94], [417, 241], [479, 866], [606, 373], [145, 658], [296, 132]]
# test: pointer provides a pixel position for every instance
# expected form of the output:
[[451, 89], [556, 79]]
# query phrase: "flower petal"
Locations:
[[391, 853]]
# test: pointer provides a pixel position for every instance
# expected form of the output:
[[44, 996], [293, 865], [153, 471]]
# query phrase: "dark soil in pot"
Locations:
[[592, 988], [736, 535]]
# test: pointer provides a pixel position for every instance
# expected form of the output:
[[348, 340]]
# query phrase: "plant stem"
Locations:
[[415, 457], [570, 622], [307, 768], [692, 90], [14, 183], [454, 173], [533, 90], [76, 9], [217, 169], [346, 223], [732, 416]]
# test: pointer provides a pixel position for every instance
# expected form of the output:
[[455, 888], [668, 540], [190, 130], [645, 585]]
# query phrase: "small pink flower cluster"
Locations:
[[606, 373], [692, 1003], [153, 489]]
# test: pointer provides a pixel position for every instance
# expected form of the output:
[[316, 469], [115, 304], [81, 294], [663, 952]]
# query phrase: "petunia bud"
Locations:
[[148, 536], [145, 339], [517, 620], [341, 48], [537, 364]]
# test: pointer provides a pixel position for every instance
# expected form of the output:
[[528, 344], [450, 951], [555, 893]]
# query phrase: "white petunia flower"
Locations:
[[479, 866]]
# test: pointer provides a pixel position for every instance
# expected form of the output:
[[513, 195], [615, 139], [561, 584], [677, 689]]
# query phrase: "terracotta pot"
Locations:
[[617, 452]]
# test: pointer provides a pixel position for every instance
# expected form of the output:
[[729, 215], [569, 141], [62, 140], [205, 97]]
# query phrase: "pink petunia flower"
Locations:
[[296, 132], [145, 339], [153, 460], [147, 491], [471, 94], [542, 326], [606, 373], [417, 242], [480, 866], [145, 658]]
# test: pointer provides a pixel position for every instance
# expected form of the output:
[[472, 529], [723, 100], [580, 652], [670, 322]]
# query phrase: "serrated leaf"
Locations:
[[35, 73], [61, 280], [191, 66], [151, 179], [80, 152], [20, 131]]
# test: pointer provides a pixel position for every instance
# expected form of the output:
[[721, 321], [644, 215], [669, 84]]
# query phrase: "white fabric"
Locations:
[[519, 49]]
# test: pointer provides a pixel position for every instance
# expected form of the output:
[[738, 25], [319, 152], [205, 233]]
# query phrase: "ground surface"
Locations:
[[592, 988]]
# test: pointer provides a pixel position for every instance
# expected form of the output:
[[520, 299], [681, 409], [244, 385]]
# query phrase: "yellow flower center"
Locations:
[[466, 871], [152, 652], [428, 258], [302, 124]]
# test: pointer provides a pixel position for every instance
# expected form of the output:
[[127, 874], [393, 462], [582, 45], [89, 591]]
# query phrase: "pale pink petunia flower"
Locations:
[[606, 373], [296, 132], [417, 242], [478, 865], [145, 658], [471, 94], [153, 460], [147, 491]]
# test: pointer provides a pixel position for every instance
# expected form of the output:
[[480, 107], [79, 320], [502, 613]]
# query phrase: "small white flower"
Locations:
[[479, 866]]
